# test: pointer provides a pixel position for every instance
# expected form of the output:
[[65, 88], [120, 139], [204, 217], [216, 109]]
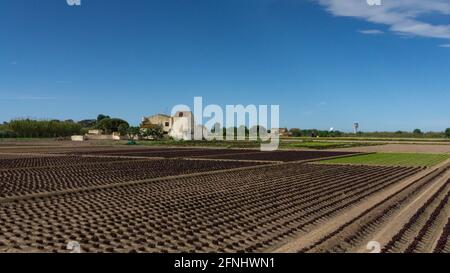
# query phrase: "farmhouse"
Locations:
[[283, 132], [180, 126]]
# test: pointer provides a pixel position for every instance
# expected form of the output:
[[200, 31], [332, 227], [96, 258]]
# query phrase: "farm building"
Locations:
[[283, 132], [180, 126]]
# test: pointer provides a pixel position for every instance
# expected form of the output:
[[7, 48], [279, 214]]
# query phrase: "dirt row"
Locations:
[[228, 154], [29, 162], [145, 152], [95, 172], [443, 245], [285, 156], [79, 150], [426, 197], [237, 211], [420, 233]]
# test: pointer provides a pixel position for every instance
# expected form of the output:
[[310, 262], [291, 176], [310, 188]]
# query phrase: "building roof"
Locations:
[[158, 115]]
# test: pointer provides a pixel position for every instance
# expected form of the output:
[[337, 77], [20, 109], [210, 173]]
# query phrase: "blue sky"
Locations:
[[327, 63]]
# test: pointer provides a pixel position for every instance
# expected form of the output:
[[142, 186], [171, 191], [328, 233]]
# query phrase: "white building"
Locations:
[[179, 127]]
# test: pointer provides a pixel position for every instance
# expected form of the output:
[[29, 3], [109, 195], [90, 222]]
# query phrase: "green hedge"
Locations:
[[28, 128]]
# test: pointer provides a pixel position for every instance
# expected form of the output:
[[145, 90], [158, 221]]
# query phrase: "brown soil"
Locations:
[[112, 199]]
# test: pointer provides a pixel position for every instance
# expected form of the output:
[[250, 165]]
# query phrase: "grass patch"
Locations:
[[317, 145], [378, 139], [391, 159]]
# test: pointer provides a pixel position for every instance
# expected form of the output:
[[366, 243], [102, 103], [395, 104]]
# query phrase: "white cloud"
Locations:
[[371, 31], [401, 16], [445, 45]]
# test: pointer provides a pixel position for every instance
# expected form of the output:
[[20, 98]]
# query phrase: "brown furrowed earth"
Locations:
[[30, 180], [134, 199], [233, 154]]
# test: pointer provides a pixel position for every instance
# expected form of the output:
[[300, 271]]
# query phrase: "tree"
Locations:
[[110, 125], [116, 122], [295, 132], [101, 117], [87, 123], [43, 128], [105, 125], [134, 132], [447, 132], [417, 132], [123, 128], [155, 132]]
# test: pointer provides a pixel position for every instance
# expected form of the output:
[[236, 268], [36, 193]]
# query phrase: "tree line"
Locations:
[[417, 133], [28, 128]]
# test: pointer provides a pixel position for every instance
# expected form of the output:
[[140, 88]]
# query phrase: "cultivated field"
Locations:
[[126, 199], [392, 159]]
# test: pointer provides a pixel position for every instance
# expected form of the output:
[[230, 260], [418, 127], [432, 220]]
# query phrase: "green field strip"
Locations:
[[391, 159]]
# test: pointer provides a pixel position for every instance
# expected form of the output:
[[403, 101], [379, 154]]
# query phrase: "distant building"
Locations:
[[96, 132], [282, 132], [164, 121], [78, 138], [180, 126]]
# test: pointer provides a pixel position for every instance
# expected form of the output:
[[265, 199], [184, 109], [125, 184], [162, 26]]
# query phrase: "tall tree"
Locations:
[[101, 117]]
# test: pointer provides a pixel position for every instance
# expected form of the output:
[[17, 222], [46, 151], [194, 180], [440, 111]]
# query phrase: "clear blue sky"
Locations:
[[327, 63]]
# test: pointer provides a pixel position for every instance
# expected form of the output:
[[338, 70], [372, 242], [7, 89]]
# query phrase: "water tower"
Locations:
[[356, 127]]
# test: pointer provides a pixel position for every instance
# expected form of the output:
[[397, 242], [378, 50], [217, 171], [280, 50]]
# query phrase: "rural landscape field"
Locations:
[[225, 135], [199, 200]]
